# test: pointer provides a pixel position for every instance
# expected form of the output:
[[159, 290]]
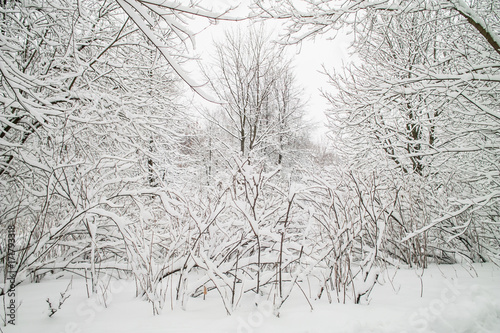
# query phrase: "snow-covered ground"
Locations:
[[454, 299]]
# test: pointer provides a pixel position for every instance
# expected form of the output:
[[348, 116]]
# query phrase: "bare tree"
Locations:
[[262, 110]]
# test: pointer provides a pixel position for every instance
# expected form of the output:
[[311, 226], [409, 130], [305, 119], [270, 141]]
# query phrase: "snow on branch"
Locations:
[[478, 23], [329, 15], [481, 201], [197, 11], [138, 12]]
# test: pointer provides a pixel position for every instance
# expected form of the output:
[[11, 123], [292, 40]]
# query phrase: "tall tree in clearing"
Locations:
[[262, 111]]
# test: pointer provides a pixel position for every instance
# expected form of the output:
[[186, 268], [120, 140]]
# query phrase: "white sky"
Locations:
[[308, 58]]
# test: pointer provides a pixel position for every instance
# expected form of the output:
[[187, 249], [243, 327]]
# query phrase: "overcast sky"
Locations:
[[308, 58]]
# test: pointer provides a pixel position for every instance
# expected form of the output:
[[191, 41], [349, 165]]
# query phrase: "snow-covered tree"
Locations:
[[91, 130], [262, 110], [424, 95]]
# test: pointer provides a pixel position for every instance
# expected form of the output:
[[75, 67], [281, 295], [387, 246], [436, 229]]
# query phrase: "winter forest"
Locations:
[[201, 184]]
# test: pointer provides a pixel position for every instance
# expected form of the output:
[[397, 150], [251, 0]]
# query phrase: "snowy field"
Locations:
[[454, 299]]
